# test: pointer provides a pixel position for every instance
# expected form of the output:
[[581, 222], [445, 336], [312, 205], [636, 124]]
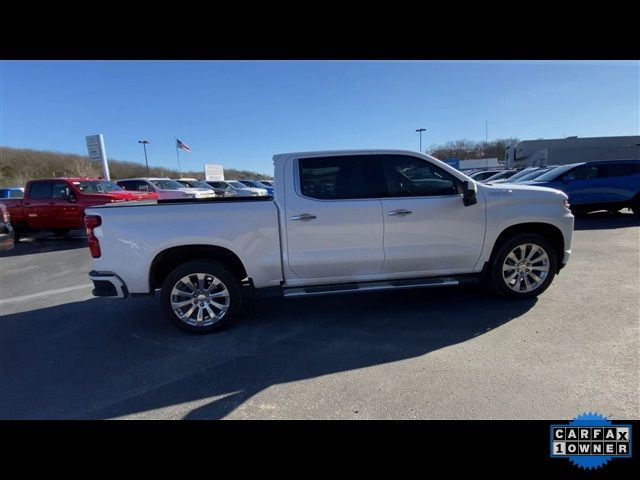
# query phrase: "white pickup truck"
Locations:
[[340, 222]]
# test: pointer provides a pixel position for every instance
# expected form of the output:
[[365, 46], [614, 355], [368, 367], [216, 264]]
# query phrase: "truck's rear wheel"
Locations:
[[523, 266], [201, 296]]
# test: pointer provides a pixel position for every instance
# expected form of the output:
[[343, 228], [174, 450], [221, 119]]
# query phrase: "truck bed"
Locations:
[[133, 234]]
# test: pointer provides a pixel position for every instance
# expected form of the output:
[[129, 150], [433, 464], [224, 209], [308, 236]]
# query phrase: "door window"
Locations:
[[619, 169], [134, 185], [584, 172], [60, 190], [41, 190], [340, 177], [406, 176]]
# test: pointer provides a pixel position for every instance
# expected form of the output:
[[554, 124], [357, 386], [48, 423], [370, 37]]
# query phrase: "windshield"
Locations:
[[199, 184], [555, 173], [522, 173], [97, 186], [236, 184], [167, 184], [534, 175], [482, 175], [501, 175]]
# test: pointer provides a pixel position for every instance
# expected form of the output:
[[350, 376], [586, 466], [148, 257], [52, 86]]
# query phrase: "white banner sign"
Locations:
[[213, 173]]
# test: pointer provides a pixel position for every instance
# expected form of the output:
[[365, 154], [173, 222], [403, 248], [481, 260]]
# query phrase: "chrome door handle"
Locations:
[[303, 216], [399, 212]]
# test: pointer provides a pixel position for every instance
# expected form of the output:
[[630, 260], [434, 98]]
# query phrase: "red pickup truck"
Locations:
[[57, 204]]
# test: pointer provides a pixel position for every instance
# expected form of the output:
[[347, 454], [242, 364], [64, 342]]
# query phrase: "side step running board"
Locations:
[[377, 286]]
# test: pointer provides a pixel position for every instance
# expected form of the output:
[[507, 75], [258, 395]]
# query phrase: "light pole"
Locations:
[[420, 130], [144, 145]]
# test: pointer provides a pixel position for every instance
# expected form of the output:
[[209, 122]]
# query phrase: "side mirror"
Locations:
[[469, 193], [71, 197]]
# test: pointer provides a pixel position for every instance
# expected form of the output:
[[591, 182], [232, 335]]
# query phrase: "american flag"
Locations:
[[183, 146]]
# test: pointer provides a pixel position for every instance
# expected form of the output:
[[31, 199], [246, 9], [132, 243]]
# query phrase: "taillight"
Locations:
[[6, 217], [91, 222]]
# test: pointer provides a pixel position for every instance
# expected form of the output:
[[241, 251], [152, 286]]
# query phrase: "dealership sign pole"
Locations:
[[95, 147]]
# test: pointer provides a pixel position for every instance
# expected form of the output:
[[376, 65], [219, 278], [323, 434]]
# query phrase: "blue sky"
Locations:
[[241, 113]]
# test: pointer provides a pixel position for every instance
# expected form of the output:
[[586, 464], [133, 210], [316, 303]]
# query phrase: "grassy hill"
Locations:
[[19, 165]]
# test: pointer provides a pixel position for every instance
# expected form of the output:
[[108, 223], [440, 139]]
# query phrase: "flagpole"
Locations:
[[178, 155]]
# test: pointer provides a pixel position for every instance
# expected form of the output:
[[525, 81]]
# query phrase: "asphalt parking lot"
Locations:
[[454, 353]]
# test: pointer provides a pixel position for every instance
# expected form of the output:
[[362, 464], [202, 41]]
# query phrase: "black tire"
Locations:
[[499, 284], [61, 232], [213, 269], [635, 205], [19, 231]]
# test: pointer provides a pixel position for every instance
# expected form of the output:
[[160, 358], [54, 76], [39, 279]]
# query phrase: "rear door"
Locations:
[[427, 228], [582, 186], [36, 206], [334, 218], [619, 181]]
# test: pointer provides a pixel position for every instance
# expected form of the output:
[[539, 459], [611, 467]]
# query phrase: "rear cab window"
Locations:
[[41, 190], [338, 177]]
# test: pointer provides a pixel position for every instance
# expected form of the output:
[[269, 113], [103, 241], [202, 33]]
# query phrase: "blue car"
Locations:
[[607, 185]]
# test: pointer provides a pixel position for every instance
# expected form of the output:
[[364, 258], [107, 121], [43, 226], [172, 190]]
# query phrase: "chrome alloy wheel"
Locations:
[[199, 299], [525, 268]]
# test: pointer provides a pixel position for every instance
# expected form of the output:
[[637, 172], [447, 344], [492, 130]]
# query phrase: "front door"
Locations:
[[581, 185], [64, 213], [334, 219], [427, 228]]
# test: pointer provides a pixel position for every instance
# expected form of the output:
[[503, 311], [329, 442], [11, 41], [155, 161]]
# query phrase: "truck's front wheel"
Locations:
[[523, 266], [201, 296]]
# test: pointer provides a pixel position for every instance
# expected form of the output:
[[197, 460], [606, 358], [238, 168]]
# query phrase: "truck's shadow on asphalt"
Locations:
[[106, 358], [46, 242], [606, 221]]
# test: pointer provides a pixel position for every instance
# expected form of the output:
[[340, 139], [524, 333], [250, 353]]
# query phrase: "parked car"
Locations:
[[268, 183], [608, 185], [7, 235], [515, 177], [502, 175], [165, 188], [341, 222], [12, 192], [194, 183], [58, 204], [223, 188], [256, 192], [484, 174], [257, 185]]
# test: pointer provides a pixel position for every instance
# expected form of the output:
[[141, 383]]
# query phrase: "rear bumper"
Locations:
[[7, 239], [108, 284]]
